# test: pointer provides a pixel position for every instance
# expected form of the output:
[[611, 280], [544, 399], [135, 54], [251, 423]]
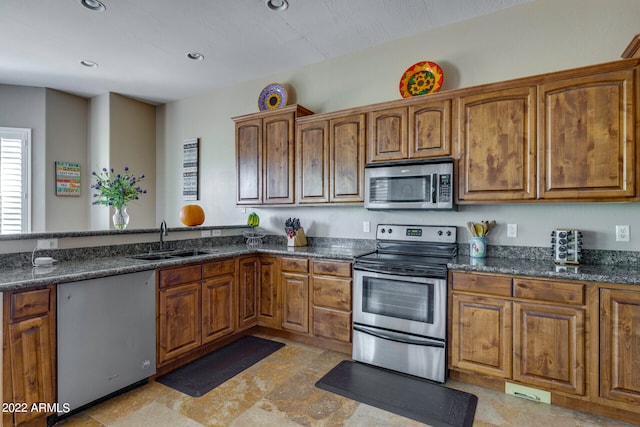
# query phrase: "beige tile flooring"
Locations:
[[280, 391]]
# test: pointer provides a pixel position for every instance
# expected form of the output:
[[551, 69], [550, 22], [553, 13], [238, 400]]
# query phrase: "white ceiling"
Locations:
[[141, 45]]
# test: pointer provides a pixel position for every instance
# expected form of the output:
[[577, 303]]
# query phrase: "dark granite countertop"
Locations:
[[71, 271], [605, 273]]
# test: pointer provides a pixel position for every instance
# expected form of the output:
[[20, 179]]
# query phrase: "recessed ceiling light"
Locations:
[[195, 56], [95, 5], [88, 63], [277, 5]]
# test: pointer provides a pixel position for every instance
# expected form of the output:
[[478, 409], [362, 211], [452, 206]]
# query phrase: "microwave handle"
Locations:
[[434, 188]]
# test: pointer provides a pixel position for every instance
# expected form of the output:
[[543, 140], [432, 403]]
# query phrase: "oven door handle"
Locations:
[[401, 338], [398, 272]]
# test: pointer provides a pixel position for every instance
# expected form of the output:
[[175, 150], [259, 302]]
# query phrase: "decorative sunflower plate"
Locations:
[[272, 96], [421, 78]]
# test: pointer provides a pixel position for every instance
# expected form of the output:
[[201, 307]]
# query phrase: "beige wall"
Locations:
[[538, 37]]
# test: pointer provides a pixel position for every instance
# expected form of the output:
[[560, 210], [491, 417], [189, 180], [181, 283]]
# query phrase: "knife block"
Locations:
[[298, 240]]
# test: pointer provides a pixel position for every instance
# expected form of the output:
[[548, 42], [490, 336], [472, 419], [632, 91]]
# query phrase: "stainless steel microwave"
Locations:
[[409, 185]]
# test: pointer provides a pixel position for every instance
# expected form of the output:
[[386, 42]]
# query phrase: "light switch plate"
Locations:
[[512, 230]]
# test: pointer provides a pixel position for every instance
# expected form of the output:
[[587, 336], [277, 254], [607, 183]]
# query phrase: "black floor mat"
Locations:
[[208, 372], [411, 397]]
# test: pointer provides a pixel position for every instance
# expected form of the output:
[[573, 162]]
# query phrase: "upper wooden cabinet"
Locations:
[[587, 137], [330, 157], [265, 156], [497, 145], [421, 130]]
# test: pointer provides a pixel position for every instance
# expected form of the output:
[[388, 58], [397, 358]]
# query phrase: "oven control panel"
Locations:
[[417, 233]]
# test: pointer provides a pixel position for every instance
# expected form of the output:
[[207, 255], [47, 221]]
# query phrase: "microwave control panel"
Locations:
[[444, 188]]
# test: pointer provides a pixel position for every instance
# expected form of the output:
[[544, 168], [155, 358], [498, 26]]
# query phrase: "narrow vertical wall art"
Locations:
[[190, 165]]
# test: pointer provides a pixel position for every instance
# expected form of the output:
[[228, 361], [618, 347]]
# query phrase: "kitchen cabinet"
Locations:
[[497, 137], [265, 156], [331, 306], [620, 345], [248, 283], [269, 292], [29, 354], [295, 294], [330, 158], [420, 130], [196, 306], [532, 331], [587, 139]]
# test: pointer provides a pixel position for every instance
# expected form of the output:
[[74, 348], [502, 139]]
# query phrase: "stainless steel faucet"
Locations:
[[163, 232]]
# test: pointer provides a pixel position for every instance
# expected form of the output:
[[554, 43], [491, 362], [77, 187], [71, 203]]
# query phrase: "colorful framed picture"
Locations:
[[67, 179], [190, 164]]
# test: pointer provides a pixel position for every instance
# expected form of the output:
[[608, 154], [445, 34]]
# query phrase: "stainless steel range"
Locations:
[[400, 300]]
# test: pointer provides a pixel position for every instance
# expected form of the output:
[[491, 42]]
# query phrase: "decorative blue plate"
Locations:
[[273, 96]]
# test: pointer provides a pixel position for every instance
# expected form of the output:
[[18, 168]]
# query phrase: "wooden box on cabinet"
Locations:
[[265, 156], [29, 353]]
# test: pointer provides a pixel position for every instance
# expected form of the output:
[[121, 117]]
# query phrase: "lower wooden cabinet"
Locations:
[[196, 306], [248, 282], [620, 345], [532, 331], [29, 354], [331, 300], [295, 294]]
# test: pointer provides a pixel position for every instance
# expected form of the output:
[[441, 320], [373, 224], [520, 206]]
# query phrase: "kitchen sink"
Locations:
[[183, 253]]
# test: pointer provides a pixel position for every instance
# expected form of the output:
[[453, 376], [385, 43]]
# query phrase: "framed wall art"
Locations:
[[67, 179], [190, 165]]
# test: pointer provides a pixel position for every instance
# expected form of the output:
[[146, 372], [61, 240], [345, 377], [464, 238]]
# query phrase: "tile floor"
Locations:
[[280, 391]]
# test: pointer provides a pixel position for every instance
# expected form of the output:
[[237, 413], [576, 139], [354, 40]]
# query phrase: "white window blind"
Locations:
[[14, 180]]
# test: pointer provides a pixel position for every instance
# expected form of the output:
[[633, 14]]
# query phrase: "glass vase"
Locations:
[[120, 217]]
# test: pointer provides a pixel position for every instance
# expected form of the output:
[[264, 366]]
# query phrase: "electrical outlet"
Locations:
[[205, 233], [216, 233], [512, 230], [47, 244], [366, 227], [622, 233]]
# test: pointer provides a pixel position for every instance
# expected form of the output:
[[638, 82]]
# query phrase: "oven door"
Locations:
[[414, 305]]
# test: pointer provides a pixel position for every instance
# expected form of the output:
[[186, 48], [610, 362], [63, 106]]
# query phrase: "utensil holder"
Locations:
[[477, 247]]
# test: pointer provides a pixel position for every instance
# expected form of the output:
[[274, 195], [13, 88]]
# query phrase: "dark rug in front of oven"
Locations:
[[408, 396], [211, 370]]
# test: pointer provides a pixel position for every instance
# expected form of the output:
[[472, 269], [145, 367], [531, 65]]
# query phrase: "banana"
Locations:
[[253, 219]]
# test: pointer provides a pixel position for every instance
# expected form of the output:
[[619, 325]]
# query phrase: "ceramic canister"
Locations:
[[478, 247]]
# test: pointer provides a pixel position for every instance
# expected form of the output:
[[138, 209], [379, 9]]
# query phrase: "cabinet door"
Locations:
[[249, 161], [347, 158], [295, 302], [312, 162], [387, 135], [620, 345], [32, 358], [248, 280], [497, 145], [588, 140], [331, 308], [279, 158], [549, 347], [179, 321], [481, 335], [430, 129], [268, 296], [217, 308]]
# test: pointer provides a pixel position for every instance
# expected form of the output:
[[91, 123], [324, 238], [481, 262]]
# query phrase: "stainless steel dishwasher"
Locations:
[[106, 336]]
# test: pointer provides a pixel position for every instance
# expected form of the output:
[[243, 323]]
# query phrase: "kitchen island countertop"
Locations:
[[72, 271], [604, 273]]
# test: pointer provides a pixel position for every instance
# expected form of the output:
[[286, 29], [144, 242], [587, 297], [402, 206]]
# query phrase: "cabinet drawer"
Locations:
[[481, 283], [332, 268], [30, 303], [175, 276], [218, 268], [332, 293], [299, 265], [549, 290], [331, 324]]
